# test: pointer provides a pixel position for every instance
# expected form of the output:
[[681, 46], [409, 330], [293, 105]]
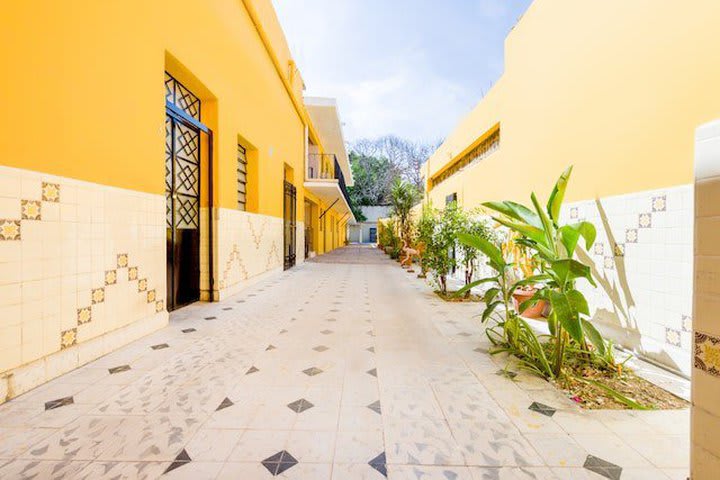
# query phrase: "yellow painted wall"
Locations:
[[616, 88], [82, 90]]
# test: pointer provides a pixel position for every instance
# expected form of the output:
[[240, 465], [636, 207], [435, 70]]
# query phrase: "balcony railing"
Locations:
[[325, 166]]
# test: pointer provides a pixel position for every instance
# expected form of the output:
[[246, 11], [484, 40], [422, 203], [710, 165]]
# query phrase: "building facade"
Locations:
[[366, 231], [118, 205], [589, 86]]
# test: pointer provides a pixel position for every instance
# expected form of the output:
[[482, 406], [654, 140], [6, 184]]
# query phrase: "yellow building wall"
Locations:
[[615, 88], [83, 97]]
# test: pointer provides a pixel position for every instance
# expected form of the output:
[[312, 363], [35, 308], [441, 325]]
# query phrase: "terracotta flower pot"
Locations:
[[536, 311]]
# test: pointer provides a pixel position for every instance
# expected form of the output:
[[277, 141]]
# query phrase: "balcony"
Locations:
[[325, 178]]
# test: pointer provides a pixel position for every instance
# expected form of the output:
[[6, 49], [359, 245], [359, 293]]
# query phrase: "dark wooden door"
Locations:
[[289, 230]]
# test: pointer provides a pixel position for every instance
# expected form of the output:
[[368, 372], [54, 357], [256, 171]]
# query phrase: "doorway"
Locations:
[[289, 232]]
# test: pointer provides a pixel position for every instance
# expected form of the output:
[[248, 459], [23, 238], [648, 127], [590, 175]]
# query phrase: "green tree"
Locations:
[[403, 197]]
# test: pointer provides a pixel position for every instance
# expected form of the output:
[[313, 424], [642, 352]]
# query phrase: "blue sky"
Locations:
[[411, 68]]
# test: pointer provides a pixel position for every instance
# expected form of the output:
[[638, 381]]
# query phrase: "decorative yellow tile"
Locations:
[[687, 323], [631, 236], [122, 260], [84, 315], [132, 273], [98, 295], [9, 229], [31, 209], [599, 249], [619, 250], [645, 220], [50, 192], [142, 284], [672, 336], [150, 296], [111, 277], [159, 306], [707, 353], [659, 204], [68, 338]]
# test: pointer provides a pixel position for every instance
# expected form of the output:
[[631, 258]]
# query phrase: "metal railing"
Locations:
[[325, 166]]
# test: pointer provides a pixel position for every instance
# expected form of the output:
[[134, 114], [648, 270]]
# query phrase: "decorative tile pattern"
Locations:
[[210, 318], [97, 295], [121, 368], [645, 220], [279, 462], [707, 353], [602, 467], [542, 408], [122, 260], [619, 250], [672, 336], [687, 323], [379, 463], [573, 212], [68, 338], [159, 306], [142, 284], [10, 229], [132, 274], [598, 248], [372, 372], [312, 371], [659, 203], [270, 347], [609, 263], [631, 236], [188, 330], [182, 459], [31, 210], [160, 346], [299, 406], [150, 296], [252, 370], [370, 349], [84, 315], [50, 192], [60, 402], [110, 277], [225, 404]]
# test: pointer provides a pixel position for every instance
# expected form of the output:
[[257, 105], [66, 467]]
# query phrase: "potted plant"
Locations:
[[524, 268]]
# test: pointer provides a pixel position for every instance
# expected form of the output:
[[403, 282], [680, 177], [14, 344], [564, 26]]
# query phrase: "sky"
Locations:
[[411, 68]]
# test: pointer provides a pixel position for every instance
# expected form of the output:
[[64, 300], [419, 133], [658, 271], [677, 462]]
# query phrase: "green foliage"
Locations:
[[425, 229], [554, 246], [477, 227], [440, 259], [403, 197]]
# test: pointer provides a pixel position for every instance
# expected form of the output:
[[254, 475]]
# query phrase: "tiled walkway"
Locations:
[[344, 368]]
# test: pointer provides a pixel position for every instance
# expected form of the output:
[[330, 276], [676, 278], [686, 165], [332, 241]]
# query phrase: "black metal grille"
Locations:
[[242, 177], [181, 97], [289, 214]]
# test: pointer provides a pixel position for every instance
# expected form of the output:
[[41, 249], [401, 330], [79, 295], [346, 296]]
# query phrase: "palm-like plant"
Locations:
[[403, 197], [554, 246]]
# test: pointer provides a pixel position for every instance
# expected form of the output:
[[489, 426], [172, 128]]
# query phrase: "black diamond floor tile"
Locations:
[[121, 368], [270, 347], [370, 349], [299, 406], [375, 407], [60, 402], [210, 318], [372, 372], [160, 346], [542, 408], [227, 308], [279, 462], [320, 348], [380, 464], [225, 404], [188, 330], [182, 459], [251, 370], [326, 332], [603, 467], [312, 371]]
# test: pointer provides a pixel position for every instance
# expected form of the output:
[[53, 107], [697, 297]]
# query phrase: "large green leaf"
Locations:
[[547, 225], [570, 234], [474, 284], [490, 295], [486, 247], [566, 315], [569, 269], [594, 336], [558, 194], [533, 233], [544, 251], [578, 302], [515, 211]]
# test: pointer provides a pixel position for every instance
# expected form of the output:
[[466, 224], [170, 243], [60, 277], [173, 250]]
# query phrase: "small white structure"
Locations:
[[366, 231]]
